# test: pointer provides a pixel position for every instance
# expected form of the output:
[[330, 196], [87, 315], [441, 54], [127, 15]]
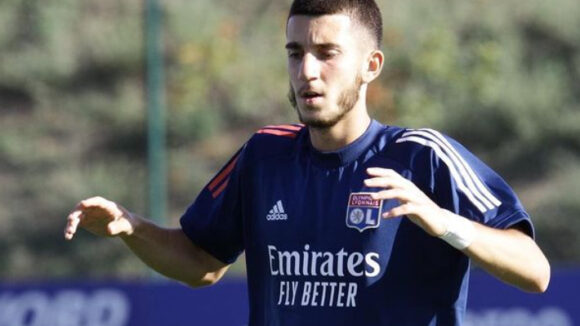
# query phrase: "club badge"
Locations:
[[363, 212]]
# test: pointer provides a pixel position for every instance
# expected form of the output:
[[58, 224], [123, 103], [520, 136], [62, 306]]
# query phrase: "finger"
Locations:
[[73, 221], [401, 210], [382, 182], [103, 206], [94, 202], [379, 172], [387, 173], [386, 182], [399, 194]]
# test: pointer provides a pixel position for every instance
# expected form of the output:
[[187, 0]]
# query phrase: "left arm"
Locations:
[[509, 254]]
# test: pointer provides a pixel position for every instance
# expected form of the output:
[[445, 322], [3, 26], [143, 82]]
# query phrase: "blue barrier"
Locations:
[[492, 303], [116, 303]]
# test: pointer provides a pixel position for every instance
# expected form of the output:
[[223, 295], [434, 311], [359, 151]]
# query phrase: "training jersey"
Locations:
[[317, 250]]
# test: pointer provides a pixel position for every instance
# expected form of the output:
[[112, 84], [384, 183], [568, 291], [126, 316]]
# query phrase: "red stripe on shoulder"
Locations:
[[290, 134], [221, 188], [225, 173], [285, 127]]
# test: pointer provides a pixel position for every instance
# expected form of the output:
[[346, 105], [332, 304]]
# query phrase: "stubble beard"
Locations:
[[346, 102]]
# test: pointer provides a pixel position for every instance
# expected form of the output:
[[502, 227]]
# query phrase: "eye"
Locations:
[[294, 54], [328, 54]]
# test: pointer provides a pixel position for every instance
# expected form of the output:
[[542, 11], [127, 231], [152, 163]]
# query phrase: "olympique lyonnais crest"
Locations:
[[363, 212]]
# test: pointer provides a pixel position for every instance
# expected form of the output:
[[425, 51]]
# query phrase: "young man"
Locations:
[[344, 221]]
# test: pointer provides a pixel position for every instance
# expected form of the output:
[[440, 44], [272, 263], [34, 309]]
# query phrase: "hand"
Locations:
[[101, 217], [417, 206]]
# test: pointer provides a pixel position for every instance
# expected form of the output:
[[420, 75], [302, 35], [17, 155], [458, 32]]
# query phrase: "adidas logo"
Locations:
[[277, 213]]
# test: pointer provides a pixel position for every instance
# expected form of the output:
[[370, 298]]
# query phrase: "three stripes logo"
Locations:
[[277, 213], [466, 179]]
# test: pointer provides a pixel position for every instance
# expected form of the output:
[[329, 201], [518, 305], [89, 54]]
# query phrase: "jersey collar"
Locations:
[[347, 154]]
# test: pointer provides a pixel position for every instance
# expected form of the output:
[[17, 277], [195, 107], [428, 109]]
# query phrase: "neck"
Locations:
[[354, 124]]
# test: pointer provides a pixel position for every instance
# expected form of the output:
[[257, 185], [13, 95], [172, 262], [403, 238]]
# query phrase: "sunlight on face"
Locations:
[[325, 57]]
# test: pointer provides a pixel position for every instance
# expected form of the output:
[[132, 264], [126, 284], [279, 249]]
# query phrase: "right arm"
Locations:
[[168, 251]]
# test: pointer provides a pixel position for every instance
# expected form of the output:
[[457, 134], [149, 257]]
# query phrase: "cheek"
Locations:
[[340, 79]]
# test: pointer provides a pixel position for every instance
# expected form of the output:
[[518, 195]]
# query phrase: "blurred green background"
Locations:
[[501, 77]]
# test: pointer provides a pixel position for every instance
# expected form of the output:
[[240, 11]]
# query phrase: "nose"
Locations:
[[309, 67]]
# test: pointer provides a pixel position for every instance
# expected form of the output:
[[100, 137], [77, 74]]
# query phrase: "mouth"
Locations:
[[310, 96]]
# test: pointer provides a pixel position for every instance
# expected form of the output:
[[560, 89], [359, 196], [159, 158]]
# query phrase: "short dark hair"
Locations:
[[365, 12]]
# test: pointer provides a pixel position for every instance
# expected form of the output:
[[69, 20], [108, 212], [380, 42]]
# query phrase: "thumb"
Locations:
[[120, 226]]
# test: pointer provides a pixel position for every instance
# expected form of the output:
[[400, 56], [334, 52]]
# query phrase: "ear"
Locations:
[[373, 66]]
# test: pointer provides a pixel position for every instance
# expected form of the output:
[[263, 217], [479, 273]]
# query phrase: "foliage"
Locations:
[[503, 78]]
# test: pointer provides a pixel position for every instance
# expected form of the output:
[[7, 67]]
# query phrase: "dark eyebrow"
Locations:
[[293, 46], [327, 46], [321, 46]]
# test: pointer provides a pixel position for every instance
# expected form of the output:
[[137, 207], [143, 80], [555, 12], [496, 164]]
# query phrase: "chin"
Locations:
[[317, 121]]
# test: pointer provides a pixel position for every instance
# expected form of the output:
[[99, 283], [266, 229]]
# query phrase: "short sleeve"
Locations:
[[463, 184], [214, 220]]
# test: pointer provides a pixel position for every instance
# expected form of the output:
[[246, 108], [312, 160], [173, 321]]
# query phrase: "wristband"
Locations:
[[459, 232]]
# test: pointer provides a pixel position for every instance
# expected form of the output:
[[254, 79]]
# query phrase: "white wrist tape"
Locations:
[[460, 231]]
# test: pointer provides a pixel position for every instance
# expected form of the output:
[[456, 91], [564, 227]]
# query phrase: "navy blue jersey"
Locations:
[[317, 251]]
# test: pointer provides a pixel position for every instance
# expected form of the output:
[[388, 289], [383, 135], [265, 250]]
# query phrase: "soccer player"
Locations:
[[343, 220]]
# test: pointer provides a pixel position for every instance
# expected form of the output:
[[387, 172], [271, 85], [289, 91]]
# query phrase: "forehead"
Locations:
[[307, 30]]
